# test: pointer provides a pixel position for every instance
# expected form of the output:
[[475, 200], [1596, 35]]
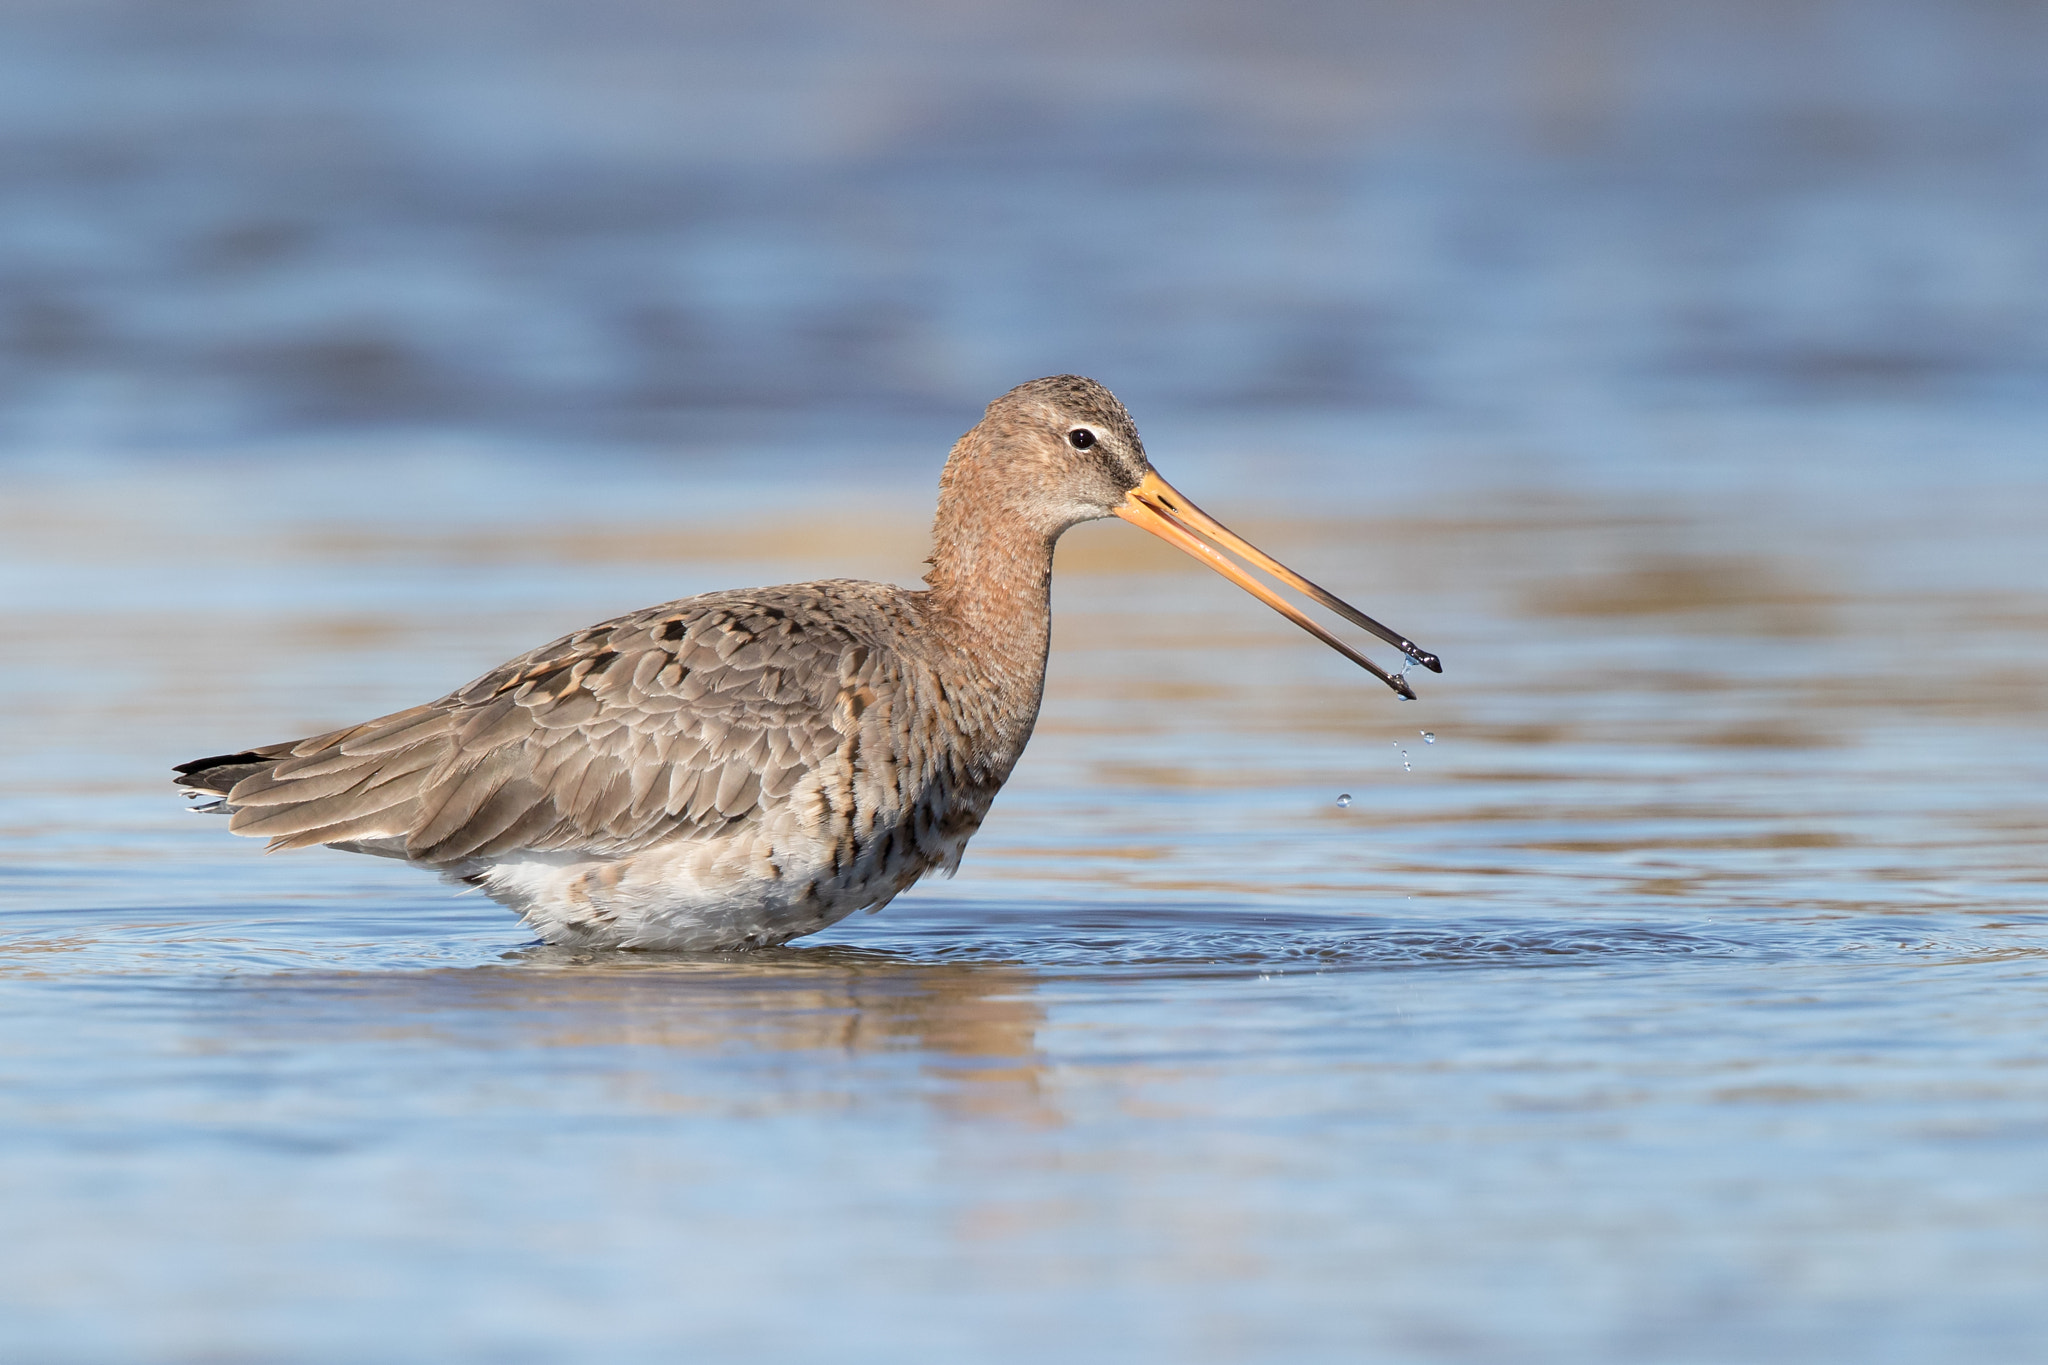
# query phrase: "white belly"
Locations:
[[680, 898]]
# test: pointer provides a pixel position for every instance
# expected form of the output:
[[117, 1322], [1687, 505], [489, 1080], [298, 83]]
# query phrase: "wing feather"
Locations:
[[739, 787], [530, 830], [499, 721], [388, 733], [373, 825], [508, 804], [343, 774], [452, 804], [275, 819], [665, 724]]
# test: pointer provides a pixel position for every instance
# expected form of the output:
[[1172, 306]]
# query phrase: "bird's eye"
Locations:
[[1081, 438]]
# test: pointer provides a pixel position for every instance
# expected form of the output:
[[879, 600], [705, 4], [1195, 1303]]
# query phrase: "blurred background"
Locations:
[[672, 225], [1669, 991]]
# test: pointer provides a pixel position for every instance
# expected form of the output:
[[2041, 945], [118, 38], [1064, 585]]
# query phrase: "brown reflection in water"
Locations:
[[40, 959], [972, 1025], [122, 524], [2013, 692], [1749, 595], [858, 541], [1775, 737], [1784, 839]]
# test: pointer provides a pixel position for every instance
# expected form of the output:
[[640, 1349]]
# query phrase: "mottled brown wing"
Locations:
[[675, 721]]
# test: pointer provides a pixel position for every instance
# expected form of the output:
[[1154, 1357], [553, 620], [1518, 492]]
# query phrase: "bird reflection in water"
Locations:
[[972, 1026]]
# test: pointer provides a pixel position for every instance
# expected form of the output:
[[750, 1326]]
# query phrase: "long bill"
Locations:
[[1156, 506]]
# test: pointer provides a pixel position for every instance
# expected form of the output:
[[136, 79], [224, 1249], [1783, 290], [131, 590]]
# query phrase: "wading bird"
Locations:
[[742, 768]]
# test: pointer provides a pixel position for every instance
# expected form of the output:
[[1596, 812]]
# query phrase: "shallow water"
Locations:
[[1684, 1000]]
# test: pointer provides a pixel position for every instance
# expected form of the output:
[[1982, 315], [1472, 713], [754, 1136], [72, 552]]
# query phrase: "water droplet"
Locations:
[[1343, 800], [1406, 766], [1428, 738], [1413, 662]]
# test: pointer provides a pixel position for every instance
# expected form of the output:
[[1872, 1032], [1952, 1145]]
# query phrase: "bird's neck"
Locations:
[[991, 598]]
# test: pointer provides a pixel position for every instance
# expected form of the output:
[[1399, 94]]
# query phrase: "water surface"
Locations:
[[1674, 377], [1684, 1001]]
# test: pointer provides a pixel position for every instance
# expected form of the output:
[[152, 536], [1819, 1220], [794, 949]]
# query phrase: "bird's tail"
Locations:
[[215, 777]]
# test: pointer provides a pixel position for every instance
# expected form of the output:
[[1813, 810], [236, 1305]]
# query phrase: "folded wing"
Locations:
[[673, 722]]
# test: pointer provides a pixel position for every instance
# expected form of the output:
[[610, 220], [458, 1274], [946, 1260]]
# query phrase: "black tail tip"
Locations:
[[200, 765], [220, 773]]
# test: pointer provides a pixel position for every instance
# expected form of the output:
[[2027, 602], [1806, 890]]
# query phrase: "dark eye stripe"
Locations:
[[1081, 438]]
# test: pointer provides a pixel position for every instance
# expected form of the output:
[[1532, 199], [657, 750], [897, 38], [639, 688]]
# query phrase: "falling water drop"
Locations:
[[1343, 800], [1428, 738], [1406, 766]]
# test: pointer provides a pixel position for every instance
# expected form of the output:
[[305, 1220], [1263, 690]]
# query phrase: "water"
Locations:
[[1689, 1007], [1674, 375]]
